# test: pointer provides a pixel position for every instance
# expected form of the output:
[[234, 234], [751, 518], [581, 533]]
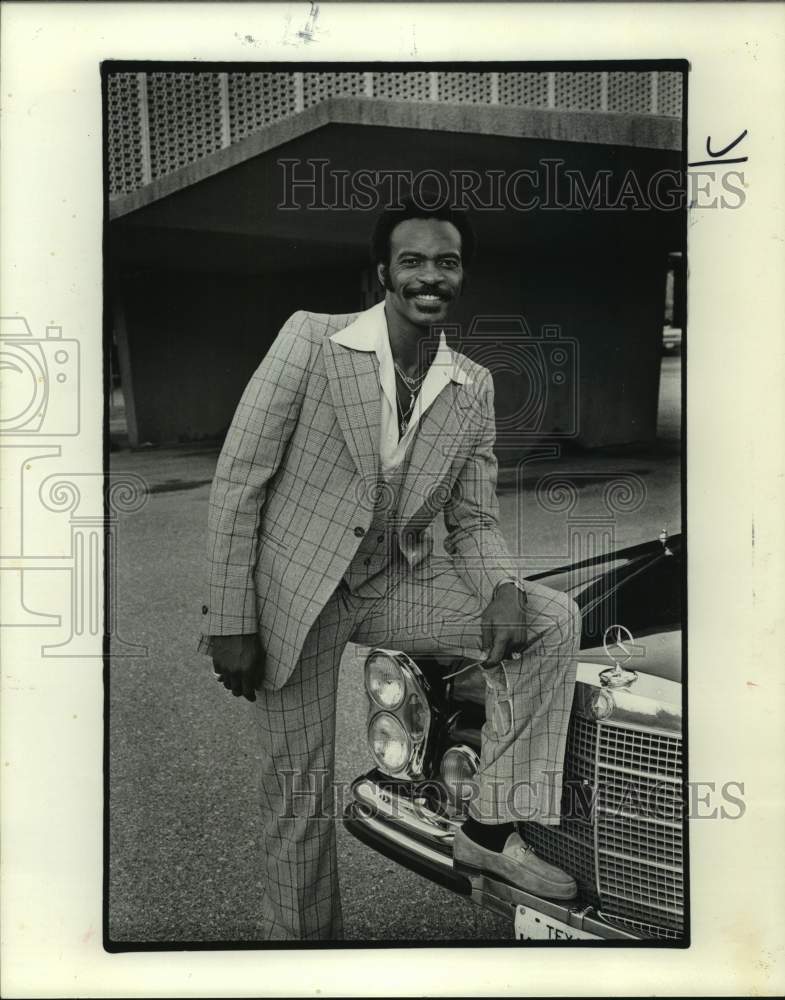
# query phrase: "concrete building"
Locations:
[[211, 245]]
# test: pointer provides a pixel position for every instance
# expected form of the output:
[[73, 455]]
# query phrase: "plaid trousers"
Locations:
[[425, 609]]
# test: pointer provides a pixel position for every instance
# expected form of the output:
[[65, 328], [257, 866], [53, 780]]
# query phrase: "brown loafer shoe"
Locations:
[[517, 864]]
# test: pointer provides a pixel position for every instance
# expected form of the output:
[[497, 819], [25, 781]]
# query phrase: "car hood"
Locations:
[[576, 578], [658, 655]]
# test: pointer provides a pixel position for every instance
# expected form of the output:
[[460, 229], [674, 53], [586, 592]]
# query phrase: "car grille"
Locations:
[[621, 829]]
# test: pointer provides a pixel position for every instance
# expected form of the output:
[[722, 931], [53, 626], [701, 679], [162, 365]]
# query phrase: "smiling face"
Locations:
[[425, 272]]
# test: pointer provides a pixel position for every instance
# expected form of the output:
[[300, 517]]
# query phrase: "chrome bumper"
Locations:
[[410, 833]]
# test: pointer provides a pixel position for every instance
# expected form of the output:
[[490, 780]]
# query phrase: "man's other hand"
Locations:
[[238, 662], [504, 625]]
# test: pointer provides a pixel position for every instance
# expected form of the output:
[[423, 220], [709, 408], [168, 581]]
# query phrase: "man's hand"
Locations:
[[238, 661], [504, 625]]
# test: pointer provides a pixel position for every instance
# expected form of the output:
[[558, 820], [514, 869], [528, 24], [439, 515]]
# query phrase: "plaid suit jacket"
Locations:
[[295, 485]]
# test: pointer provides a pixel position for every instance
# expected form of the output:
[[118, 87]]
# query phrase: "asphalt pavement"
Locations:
[[184, 831]]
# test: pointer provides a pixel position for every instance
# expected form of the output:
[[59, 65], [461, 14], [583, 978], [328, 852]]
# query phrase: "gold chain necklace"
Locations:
[[410, 382], [404, 416]]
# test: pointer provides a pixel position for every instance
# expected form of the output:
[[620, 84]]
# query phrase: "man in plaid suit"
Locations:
[[353, 434]]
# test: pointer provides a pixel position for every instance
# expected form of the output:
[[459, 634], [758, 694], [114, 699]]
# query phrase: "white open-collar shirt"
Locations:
[[369, 333]]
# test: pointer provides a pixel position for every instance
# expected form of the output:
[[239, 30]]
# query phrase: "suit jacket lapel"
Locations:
[[354, 384], [439, 438]]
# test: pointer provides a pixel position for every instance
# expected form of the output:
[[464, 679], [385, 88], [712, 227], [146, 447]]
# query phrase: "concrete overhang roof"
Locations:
[[636, 131], [225, 212]]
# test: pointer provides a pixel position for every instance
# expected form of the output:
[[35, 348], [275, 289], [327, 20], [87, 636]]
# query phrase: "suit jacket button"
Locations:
[[205, 609], [380, 538], [359, 532]]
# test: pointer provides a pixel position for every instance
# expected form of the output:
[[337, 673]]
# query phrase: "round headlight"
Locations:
[[384, 681], [389, 743], [416, 715], [458, 770]]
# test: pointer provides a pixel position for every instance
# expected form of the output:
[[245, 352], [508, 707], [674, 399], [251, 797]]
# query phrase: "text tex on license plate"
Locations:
[[530, 925]]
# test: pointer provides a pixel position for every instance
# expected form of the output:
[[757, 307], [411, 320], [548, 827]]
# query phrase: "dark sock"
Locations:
[[493, 836]]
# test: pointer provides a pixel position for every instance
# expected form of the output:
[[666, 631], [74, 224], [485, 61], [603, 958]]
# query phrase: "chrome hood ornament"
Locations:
[[663, 538], [617, 642]]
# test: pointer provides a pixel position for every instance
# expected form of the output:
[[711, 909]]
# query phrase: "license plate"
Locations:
[[531, 925]]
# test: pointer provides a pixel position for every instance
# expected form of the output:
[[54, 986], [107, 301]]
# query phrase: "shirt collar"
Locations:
[[369, 333]]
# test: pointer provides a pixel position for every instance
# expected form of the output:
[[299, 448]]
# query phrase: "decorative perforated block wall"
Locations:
[[465, 88], [524, 90], [402, 86], [184, 111], [319, 86], [128, 166], [578, 91], [630, 92], [257, 99], [159, 122]]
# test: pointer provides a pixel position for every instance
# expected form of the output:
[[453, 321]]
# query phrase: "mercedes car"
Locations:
[[622, 832]]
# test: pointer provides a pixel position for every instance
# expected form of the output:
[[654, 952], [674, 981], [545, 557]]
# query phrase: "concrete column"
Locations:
[[126, 375]]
